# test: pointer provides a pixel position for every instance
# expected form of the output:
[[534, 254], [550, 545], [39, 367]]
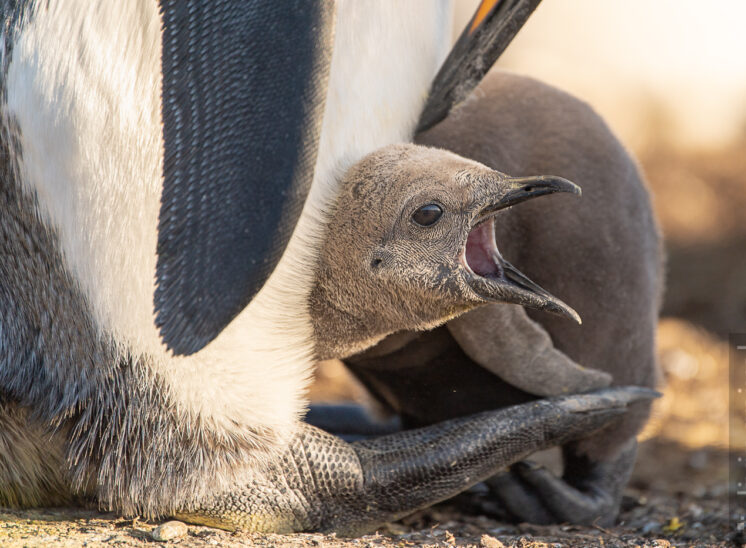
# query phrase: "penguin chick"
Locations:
[[432, 217], [602, 253], [409, 245]]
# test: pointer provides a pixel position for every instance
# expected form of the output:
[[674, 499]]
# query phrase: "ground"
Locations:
[[679, 492]]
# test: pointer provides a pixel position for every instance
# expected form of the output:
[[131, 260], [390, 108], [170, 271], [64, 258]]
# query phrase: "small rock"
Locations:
[[699, 492], [169, 531], [490, 542], [695, 510], [650, 527], [395, 528]]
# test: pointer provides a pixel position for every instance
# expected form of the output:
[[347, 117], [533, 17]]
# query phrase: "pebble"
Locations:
[[169, 531], [694, 510], [490, 542], [649, 527]]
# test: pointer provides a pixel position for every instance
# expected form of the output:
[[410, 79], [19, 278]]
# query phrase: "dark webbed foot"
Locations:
[[322, 483], [588, 493]]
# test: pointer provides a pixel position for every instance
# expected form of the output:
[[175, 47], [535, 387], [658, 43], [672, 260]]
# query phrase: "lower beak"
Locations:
[[534, 296], [490, 275], [513, 287]]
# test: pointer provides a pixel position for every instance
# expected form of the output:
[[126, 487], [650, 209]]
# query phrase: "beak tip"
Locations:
[[574, 316], [568, 186], [566, 311]]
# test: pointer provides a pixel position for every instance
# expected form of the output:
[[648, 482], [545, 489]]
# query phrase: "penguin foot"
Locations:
[[322, 483], [351, 421], [589, 493]]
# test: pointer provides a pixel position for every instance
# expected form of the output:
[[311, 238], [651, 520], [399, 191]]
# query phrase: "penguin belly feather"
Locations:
[[83, 97]]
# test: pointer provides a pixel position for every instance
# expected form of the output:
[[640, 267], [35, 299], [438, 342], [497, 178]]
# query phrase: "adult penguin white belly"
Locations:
[[84, 87], [113, 114]]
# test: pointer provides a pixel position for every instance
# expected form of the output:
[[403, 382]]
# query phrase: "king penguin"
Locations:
[[165, 169]]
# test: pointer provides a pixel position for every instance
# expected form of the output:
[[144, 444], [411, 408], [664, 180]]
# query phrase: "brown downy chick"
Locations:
[[413, 231], [601, 253], [410, 247]]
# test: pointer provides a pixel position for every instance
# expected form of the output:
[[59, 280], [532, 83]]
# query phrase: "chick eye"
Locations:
[[427, 215]]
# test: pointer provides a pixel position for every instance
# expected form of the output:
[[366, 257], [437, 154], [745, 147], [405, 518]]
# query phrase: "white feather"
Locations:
[[84, 87]]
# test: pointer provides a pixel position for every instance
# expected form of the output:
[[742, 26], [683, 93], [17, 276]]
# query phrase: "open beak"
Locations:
[[489, 274]]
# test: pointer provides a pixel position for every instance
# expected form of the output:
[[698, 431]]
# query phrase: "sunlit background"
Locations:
[[672, 70]]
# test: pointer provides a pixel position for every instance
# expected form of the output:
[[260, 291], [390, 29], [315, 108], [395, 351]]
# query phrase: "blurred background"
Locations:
[[669, 76]]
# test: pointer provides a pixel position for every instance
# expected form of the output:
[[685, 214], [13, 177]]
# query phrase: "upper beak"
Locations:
[[494, 278], [525, 188]]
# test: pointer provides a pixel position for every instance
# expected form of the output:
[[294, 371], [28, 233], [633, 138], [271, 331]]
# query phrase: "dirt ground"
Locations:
[[678, 495]]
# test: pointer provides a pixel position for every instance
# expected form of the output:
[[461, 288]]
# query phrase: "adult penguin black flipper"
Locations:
[[244, 84], [489, 32]]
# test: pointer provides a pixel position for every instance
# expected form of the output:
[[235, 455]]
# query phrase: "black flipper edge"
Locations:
[[244, 85], [490, 31]]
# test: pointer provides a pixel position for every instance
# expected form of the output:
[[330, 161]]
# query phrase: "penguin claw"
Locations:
[[323, 483], [510, 499], [528, 492], [565, 502]]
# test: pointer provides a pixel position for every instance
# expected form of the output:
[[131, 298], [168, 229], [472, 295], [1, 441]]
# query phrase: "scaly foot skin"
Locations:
[[589, 493], [323, 483]]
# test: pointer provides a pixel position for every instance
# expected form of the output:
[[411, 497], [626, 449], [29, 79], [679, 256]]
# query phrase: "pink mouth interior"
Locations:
[[481, 251]]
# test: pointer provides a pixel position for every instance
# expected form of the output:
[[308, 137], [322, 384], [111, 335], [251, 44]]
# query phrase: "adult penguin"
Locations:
[[155, 158]]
